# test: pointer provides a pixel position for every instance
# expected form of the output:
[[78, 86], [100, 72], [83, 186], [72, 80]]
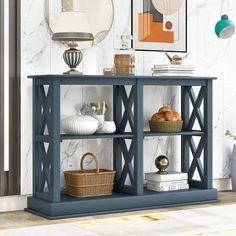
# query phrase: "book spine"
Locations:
[[187, 75], [173, 66], [158, 184], [166, 178], [166, 188]]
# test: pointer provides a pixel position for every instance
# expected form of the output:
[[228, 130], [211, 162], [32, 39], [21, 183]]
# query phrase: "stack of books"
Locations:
[[170, 182], [173, 70]]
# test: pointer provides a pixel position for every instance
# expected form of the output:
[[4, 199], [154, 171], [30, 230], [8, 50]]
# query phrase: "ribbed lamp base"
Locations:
[[72, 58]]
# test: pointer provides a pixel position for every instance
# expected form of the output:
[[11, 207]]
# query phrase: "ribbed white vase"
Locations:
[[79, 125]]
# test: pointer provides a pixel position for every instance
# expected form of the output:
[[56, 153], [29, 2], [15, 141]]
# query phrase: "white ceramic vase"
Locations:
[[79, 125], [100, 119]]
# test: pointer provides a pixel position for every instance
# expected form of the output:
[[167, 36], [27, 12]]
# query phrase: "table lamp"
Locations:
[[72, 27]]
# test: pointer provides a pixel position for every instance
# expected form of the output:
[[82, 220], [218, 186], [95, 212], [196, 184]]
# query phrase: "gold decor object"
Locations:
[[98, 108], [89, 183], [162, 163], [176, 60]]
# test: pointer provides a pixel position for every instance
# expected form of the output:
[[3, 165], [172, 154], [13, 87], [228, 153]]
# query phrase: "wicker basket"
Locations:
[[89, 183], [166, 126]]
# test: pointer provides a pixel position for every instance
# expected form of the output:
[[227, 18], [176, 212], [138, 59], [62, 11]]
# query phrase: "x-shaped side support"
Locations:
[[128, 103], [196, 113], [196, 163], [128, 168], [46, 106], [45, 172]]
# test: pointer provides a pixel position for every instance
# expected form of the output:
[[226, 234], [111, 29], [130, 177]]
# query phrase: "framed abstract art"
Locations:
[[159, 25]]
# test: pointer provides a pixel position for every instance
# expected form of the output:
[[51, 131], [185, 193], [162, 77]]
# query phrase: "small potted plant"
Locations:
[[233, 161]]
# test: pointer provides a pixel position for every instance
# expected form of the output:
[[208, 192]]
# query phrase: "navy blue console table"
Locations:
[[47, 199]]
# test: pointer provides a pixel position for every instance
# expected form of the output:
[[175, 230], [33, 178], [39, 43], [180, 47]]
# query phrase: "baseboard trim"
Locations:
[[13, 203], [223, 184]]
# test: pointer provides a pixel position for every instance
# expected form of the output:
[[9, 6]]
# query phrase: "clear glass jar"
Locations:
[[124, 58]]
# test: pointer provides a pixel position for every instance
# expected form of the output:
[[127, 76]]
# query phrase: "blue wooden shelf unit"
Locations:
[[50, 202]]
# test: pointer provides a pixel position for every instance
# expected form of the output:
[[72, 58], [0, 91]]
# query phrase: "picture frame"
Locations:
[[159, 25]]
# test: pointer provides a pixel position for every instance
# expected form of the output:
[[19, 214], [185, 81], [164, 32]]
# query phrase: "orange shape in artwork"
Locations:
[[150, 31]]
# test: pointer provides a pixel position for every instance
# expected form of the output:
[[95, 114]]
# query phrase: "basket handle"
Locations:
[[94, 158]]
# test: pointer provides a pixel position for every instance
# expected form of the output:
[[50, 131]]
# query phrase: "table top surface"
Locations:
[[80, 76]]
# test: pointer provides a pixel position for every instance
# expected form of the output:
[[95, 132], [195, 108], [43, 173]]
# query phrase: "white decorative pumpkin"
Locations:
[[79, 125], [108, 127]]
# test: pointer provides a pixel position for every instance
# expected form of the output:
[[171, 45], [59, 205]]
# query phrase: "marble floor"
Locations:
[[18, 219]]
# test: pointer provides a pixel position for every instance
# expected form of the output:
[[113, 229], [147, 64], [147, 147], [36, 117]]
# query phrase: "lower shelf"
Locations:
[[118, 202]]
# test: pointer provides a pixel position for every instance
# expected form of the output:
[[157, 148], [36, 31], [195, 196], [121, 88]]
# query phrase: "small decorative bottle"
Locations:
[[124, 58]]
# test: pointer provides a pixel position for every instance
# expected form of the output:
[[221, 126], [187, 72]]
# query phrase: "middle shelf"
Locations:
[[183, 133], [127, 135]]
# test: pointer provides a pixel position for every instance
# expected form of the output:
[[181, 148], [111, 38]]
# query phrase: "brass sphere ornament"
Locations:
[[162, 164]]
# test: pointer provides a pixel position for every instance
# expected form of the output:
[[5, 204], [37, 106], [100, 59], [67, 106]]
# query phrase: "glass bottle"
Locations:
[[124, 58]]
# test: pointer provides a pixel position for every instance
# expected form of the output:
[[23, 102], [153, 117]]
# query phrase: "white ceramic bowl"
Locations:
[[108, 127], [79, 125]]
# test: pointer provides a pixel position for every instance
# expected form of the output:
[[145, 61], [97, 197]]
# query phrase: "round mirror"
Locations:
[[100, 15]]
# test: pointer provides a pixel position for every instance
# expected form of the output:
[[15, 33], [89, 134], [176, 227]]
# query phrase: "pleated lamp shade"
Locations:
[[72, 26]]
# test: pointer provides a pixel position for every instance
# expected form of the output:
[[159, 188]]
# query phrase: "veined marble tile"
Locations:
[[35, 59], [210, 55], [122, 23]]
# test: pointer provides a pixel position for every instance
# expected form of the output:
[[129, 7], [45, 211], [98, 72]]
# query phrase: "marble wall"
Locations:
[[210, 55]]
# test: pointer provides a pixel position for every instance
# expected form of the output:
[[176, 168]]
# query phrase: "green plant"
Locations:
[[229, 134]]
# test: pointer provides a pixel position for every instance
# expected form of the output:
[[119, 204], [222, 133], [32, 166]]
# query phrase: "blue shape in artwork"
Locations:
[[148, 7]]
